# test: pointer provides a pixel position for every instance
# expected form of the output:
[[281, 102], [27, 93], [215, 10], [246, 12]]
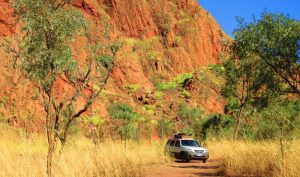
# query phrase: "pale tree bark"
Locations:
[[237, 127]]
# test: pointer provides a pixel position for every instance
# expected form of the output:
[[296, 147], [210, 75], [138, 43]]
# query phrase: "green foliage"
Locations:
[[93, 120], [165, 127], [218, 69], [272, 44], [125, 120], [267, 128], [264, 64], [280, 118], [129, 131], [185, 93], [166, 86], [106, 61], [233, 106], [122, 111], [150, 109], [49, 31], [75, 128], [146, 48], [158, 94], [216, 126], [115, 46], [181, 79], [239, 78], [197, 129], [177, 82], [133, 87], [188, 115]]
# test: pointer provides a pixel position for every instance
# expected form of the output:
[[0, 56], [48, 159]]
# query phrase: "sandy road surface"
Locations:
[[211, 168]]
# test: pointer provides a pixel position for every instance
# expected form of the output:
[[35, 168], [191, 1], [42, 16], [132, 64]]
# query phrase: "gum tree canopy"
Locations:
[[264, 64], [49, 29], [273, 42]]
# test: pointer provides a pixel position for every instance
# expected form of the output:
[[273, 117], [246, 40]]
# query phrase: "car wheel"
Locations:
[[184, 157], [204, 161]]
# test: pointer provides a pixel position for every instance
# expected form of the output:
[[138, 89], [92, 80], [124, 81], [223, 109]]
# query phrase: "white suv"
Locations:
[[186, 149]]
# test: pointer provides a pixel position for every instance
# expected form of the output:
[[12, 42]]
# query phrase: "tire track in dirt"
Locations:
[[212, 168]]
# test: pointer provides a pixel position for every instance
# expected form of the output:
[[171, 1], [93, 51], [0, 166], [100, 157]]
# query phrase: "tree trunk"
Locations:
[[50, 158], [237, 128], [63, 144], [49, 136], [281, 148], [238, 125]]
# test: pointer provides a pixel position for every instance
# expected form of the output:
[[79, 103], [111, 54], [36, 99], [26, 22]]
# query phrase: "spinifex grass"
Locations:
[[26, 157], [261, 158]]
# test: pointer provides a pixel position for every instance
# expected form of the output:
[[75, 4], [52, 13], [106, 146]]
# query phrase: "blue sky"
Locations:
[[225, 11]]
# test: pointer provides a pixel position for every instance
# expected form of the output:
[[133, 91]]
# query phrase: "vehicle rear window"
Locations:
[[190, 143]]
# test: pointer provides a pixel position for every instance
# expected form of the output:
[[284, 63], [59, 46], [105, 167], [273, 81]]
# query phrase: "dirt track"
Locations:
[[211, 168]]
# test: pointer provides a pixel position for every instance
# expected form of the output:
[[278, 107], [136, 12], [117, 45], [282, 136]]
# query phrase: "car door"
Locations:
[[177, 148], [171, 146]]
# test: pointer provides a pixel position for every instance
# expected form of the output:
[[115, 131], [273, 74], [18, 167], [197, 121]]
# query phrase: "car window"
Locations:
[[177, 144], [172, 143], [190, 143]]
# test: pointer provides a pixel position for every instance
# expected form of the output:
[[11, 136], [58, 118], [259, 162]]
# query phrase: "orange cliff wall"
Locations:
[[137, 19], [179, 50], [7, 22]]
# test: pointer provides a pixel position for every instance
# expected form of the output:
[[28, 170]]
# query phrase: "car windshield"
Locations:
[[189, 143]]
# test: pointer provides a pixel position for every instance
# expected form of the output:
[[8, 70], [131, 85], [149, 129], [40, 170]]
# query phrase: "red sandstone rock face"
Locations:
[[199, 46], [187, 37], [7, 23]]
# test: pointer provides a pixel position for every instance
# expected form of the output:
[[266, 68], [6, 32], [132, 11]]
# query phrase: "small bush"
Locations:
[[164, 127], [217, 69], [178, 81], [181, 79], [133, 87], [188, 115], [185, 93], [217, 126], [158, 94], [124, 120], [166, 86], [122, 111]]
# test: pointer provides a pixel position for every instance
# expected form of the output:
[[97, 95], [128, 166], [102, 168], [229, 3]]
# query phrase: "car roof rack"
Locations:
[[183, 136]]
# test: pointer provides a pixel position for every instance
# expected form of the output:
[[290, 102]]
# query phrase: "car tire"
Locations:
[[204, 161], [184, 156]]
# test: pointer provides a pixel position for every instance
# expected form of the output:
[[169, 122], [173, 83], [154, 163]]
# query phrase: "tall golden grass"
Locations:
[[248, 158], [26, 157]]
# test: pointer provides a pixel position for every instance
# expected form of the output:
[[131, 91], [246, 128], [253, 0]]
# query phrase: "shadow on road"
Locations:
[[212, 167], [199, 167], [203, 174]]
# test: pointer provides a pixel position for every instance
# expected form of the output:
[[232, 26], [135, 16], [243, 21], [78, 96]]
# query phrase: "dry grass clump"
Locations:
[[257, 158], [26, 157]]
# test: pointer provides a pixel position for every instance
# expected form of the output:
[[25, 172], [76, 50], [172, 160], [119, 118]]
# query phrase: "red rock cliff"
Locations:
[[163, 38]]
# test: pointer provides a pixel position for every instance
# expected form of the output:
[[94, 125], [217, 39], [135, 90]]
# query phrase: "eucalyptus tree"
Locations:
[[49, 27], [263, 64], [274, 42]]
